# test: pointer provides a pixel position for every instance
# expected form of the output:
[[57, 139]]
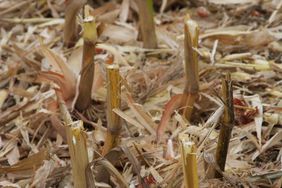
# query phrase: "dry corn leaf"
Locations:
[[74, 60], [13, 156], [274, 140], [7, 147], [124, 10], [7, 184], [272, 119], [141, 116], [256, 103], [42, 173], [119, 33], [227, 2], [28, 164], [3, 96], [249, 39]]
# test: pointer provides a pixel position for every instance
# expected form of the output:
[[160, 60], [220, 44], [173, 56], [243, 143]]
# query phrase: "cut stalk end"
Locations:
[[76, 140], [78, 153], [189, 161], [113, 102], [87, 72]]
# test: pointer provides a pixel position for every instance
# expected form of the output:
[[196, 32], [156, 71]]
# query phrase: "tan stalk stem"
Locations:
[[146, 23], [226, 126], [113, 101], [191, 31], [87, 72], [189, 161]]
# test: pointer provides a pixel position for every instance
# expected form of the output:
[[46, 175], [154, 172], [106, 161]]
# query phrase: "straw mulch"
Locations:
[[243, 39]]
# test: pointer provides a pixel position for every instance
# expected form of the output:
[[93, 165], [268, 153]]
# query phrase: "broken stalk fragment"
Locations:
[[70, 26], [189, 161], [87, 71], [113, 102], [76, 140], [226, 126], [146, 23], [191, 32]]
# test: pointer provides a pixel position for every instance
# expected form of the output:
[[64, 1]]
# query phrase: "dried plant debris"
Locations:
[[41, 71]]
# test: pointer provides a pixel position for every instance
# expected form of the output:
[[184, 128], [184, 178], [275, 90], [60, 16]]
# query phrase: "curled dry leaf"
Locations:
[[66, 79], [173, 104]]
